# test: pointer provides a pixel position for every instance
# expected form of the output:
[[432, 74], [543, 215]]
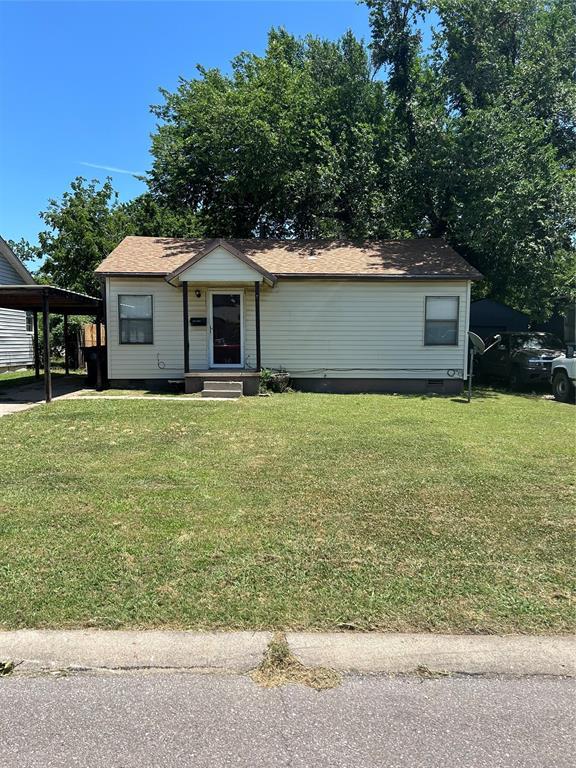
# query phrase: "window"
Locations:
[[135, 316], [441, 321], [29, 322]]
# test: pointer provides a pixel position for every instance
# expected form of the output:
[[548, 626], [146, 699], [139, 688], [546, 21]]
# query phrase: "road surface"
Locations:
[[149, 719]]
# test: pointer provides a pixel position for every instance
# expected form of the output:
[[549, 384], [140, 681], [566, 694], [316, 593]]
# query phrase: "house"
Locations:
[[16, 327], [387, 316]]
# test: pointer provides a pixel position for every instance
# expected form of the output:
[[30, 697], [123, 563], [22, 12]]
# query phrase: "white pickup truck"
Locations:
[[563, 378]]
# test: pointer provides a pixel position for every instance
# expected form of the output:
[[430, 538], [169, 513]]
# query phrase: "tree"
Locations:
[[473, 140], [397, 46], [489, 136], [287, 145], [83, 229], [89, 222], [23, 250], [512, 202]]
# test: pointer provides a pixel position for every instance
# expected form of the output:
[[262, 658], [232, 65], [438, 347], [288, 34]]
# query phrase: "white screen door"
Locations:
[[226, 330]]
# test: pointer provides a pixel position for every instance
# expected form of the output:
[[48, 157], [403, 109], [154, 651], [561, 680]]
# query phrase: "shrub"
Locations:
[[274, 381]]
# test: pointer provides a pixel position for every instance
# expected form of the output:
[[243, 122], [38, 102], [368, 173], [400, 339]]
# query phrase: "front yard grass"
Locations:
[[293, 511]]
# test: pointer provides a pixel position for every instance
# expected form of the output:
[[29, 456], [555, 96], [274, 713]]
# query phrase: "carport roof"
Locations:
[[61, 300]]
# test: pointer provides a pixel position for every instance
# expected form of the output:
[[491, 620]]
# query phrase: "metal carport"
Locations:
[[47, 299]]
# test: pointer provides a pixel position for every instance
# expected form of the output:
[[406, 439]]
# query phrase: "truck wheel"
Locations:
[[562, 387]]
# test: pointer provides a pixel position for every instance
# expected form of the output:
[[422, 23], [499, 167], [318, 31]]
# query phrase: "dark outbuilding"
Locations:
[[488, 317]]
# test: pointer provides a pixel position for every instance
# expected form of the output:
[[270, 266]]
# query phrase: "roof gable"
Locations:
[[7, 255], [220, 262]]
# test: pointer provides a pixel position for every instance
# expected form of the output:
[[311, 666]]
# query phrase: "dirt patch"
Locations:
[[280, 667]]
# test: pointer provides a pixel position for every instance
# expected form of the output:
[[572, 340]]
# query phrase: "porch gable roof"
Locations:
[[258, 271]]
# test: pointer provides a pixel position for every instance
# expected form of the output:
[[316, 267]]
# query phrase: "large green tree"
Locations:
[[489, 156], [82, 230], [289, 144], [505, 70], [88, 222], [473, 140]]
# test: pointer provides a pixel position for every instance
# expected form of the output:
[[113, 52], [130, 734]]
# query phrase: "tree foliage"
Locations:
[[286, 145], [82, 230], [473, 140], [24, 250], [89, 222]]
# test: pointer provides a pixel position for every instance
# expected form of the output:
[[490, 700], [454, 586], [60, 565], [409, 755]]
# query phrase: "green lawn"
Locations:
[[293, 511]]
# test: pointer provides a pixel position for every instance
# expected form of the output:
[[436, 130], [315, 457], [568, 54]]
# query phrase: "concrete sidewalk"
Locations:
[[518, 655]]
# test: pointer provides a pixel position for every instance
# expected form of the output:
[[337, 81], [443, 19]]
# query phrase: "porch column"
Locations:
[[46, 322], [36, 346], [186, 326], [66, 355], [257, 310], [99, 350]]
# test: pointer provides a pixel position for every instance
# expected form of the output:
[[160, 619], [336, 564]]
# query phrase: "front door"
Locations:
[[226, 330]]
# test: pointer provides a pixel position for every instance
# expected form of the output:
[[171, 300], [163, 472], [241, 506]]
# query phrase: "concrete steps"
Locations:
[[223, 389]]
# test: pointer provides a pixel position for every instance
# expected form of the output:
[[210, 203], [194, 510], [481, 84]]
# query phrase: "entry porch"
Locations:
[[221, 295]]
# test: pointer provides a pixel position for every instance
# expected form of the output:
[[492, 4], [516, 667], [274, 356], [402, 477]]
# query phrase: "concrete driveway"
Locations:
[[21, 398]]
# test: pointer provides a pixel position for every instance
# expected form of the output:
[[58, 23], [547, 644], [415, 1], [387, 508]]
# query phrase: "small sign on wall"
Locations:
[[195, 321]]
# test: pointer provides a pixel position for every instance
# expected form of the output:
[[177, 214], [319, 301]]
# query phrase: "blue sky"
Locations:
[[77, 79]]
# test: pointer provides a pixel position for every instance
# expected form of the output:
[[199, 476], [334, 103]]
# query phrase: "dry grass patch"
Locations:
[[281, 667]]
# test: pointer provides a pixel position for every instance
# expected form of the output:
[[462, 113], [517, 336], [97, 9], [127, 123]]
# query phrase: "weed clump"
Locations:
[[280, 667]]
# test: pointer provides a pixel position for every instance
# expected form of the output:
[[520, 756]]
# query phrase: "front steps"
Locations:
[[196, 381], [223, 389]]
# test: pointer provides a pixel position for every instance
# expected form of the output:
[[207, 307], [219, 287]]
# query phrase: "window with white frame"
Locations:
[[441, 326], [135, 319], [30, 322]]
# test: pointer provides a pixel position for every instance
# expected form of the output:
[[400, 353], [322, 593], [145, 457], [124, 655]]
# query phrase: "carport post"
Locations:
[[36, 347], [98, 351], [66, 356], [46, 322]]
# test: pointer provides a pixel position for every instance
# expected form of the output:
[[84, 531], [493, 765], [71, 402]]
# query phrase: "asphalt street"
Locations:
[[148, 719]]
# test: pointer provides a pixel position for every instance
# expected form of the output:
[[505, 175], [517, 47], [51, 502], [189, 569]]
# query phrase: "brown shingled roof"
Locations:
[[399, 259]]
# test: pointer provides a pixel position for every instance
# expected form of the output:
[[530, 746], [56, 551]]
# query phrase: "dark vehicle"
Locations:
[[521, 358]]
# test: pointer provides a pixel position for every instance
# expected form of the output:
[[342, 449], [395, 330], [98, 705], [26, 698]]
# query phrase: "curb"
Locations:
[[36, 651], [54, 650], [455, 654]]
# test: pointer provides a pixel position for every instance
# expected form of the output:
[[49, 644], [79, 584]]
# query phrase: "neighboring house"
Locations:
[[16, 330], [488, 317], [389, 316]]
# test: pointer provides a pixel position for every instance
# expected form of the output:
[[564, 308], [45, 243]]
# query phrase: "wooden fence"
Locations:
[[89, 333]]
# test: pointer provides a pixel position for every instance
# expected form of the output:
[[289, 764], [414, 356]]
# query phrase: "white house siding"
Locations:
[[312, 328], [164, 358], [363, 329], [16, 344]]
